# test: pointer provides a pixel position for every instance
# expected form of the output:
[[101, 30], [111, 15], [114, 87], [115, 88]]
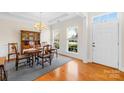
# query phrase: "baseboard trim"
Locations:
[[121, 69], [71, 57]]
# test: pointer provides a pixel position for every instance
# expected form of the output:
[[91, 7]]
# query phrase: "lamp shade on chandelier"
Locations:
[[40, 25]]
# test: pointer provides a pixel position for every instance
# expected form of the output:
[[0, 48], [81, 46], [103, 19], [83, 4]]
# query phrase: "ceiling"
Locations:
[[46, 17]]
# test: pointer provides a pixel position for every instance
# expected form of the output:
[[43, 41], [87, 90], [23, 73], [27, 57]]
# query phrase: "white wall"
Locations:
[[82, 36], [10, 31], [45, 36]]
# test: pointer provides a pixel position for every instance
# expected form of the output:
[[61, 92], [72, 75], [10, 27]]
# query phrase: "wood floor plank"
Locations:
[[77, 70]]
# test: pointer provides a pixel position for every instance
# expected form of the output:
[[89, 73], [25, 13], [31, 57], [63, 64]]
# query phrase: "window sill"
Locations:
[[72, 52]]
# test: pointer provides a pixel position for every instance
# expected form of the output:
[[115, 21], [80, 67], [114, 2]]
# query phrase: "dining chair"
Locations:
[[11, 51], [39, 48], [20, 57], [54, 50], [46, 55], [43, 43]]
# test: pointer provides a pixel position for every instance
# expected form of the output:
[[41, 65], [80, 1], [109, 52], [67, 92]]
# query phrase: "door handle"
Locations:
[[93, 45]]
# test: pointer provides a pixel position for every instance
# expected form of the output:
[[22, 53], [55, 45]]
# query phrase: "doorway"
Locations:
[[105, 40]]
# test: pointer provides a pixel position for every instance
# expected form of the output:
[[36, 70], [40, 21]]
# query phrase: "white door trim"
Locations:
[[119, 40]]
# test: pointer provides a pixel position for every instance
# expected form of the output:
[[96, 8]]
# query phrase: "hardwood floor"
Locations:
[[77, 70]]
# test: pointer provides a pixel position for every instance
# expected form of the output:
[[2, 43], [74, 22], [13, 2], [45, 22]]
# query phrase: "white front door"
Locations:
[[105, 43]]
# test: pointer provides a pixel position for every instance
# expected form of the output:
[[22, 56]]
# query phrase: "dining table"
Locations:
[[33, 52]]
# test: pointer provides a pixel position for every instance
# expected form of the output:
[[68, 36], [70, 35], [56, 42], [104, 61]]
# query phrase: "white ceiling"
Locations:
[[47, 17]]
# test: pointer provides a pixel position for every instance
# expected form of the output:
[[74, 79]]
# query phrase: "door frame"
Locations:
[[119, 39]]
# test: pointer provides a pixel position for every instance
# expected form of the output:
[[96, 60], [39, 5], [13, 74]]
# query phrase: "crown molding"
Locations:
[[33, 19], [10, 15]]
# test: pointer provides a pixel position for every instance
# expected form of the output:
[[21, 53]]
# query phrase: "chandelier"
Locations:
[[40, 25]]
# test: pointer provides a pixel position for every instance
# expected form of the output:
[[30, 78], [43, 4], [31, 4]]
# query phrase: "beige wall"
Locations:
[[45, 36], [10, 31], [82, 35]]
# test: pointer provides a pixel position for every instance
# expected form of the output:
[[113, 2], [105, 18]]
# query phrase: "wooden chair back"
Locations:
[[16, 51], [11, 47], [44, 43], [47, 49], [37, 45]]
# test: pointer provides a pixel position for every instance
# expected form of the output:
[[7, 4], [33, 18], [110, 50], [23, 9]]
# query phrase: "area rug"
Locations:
[[26, 73]]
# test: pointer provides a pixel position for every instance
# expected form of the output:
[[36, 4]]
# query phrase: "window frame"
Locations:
[[67, 40], [54, 36], [103, 14]]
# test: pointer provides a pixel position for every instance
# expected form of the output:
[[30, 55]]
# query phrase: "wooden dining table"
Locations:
[[33, 52]]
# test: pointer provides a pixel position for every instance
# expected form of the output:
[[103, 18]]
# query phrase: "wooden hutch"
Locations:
[[29, 39]]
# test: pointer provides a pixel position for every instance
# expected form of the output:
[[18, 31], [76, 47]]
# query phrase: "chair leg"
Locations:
[[32, 60], [38, 61], [43, 62], [5, 76], [28, 61], [16, 65], [50, 59]]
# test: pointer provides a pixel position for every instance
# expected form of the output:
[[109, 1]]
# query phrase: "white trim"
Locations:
[[85, 31], [121, 69], [67, 40], [102, 15], [85, 61], [69, 52], [120, 42], [119, 38]]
